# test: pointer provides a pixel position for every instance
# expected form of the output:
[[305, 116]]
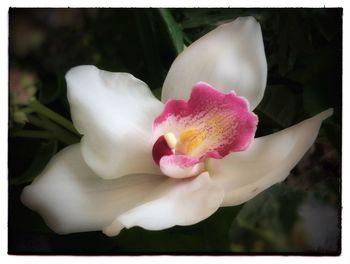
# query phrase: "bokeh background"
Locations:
[[304, 54]]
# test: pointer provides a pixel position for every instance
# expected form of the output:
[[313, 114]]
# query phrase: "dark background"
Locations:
[[304, 54]]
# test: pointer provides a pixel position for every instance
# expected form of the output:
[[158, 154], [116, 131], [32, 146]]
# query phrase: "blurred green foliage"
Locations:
[[304, 54]]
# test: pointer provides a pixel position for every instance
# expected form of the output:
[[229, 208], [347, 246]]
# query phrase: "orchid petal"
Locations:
[[231, 57], [184, 202], [114, 112], [267, 161], [71, 198], [180, 166]]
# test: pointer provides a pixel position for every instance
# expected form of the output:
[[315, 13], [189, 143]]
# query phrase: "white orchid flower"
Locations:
[[142, 162]]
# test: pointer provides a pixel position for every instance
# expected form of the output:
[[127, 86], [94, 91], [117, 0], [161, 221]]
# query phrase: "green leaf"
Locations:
[[50, 93], [148, 42], [333, 132], [265, 222], [280, 105], [140, 240], [157, 93], [195, 18], [173, 29], [40, 160]]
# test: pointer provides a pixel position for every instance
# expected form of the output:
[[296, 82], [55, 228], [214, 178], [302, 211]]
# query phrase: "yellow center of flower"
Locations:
[[189, 140]]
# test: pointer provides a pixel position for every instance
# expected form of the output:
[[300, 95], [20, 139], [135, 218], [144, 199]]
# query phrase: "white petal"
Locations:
[[180, 166], [71, 198], [177, 202], [231, 57], [267, 161], [114, 112]]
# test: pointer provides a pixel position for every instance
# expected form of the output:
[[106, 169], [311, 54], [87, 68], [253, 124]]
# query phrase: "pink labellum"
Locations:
[[160, 149], [210, 125]]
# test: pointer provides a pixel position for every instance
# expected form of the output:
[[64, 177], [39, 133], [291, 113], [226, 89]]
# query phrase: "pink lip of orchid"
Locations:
[[198, 155], [210, 125]]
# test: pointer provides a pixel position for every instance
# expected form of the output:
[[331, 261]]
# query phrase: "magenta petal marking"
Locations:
[[180, 166], [211, 124], [160, 149]]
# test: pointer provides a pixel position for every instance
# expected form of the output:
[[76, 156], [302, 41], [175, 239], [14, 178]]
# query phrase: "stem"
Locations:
[[42, 109], [36, 122], [58, 132], [33, 134], [27, 110]]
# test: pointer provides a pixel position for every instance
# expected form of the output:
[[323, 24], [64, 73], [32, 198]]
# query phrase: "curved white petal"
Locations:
[[71, 198], [180, 166], [231, 57], [267, 161], [114, 112], [176, 202]]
